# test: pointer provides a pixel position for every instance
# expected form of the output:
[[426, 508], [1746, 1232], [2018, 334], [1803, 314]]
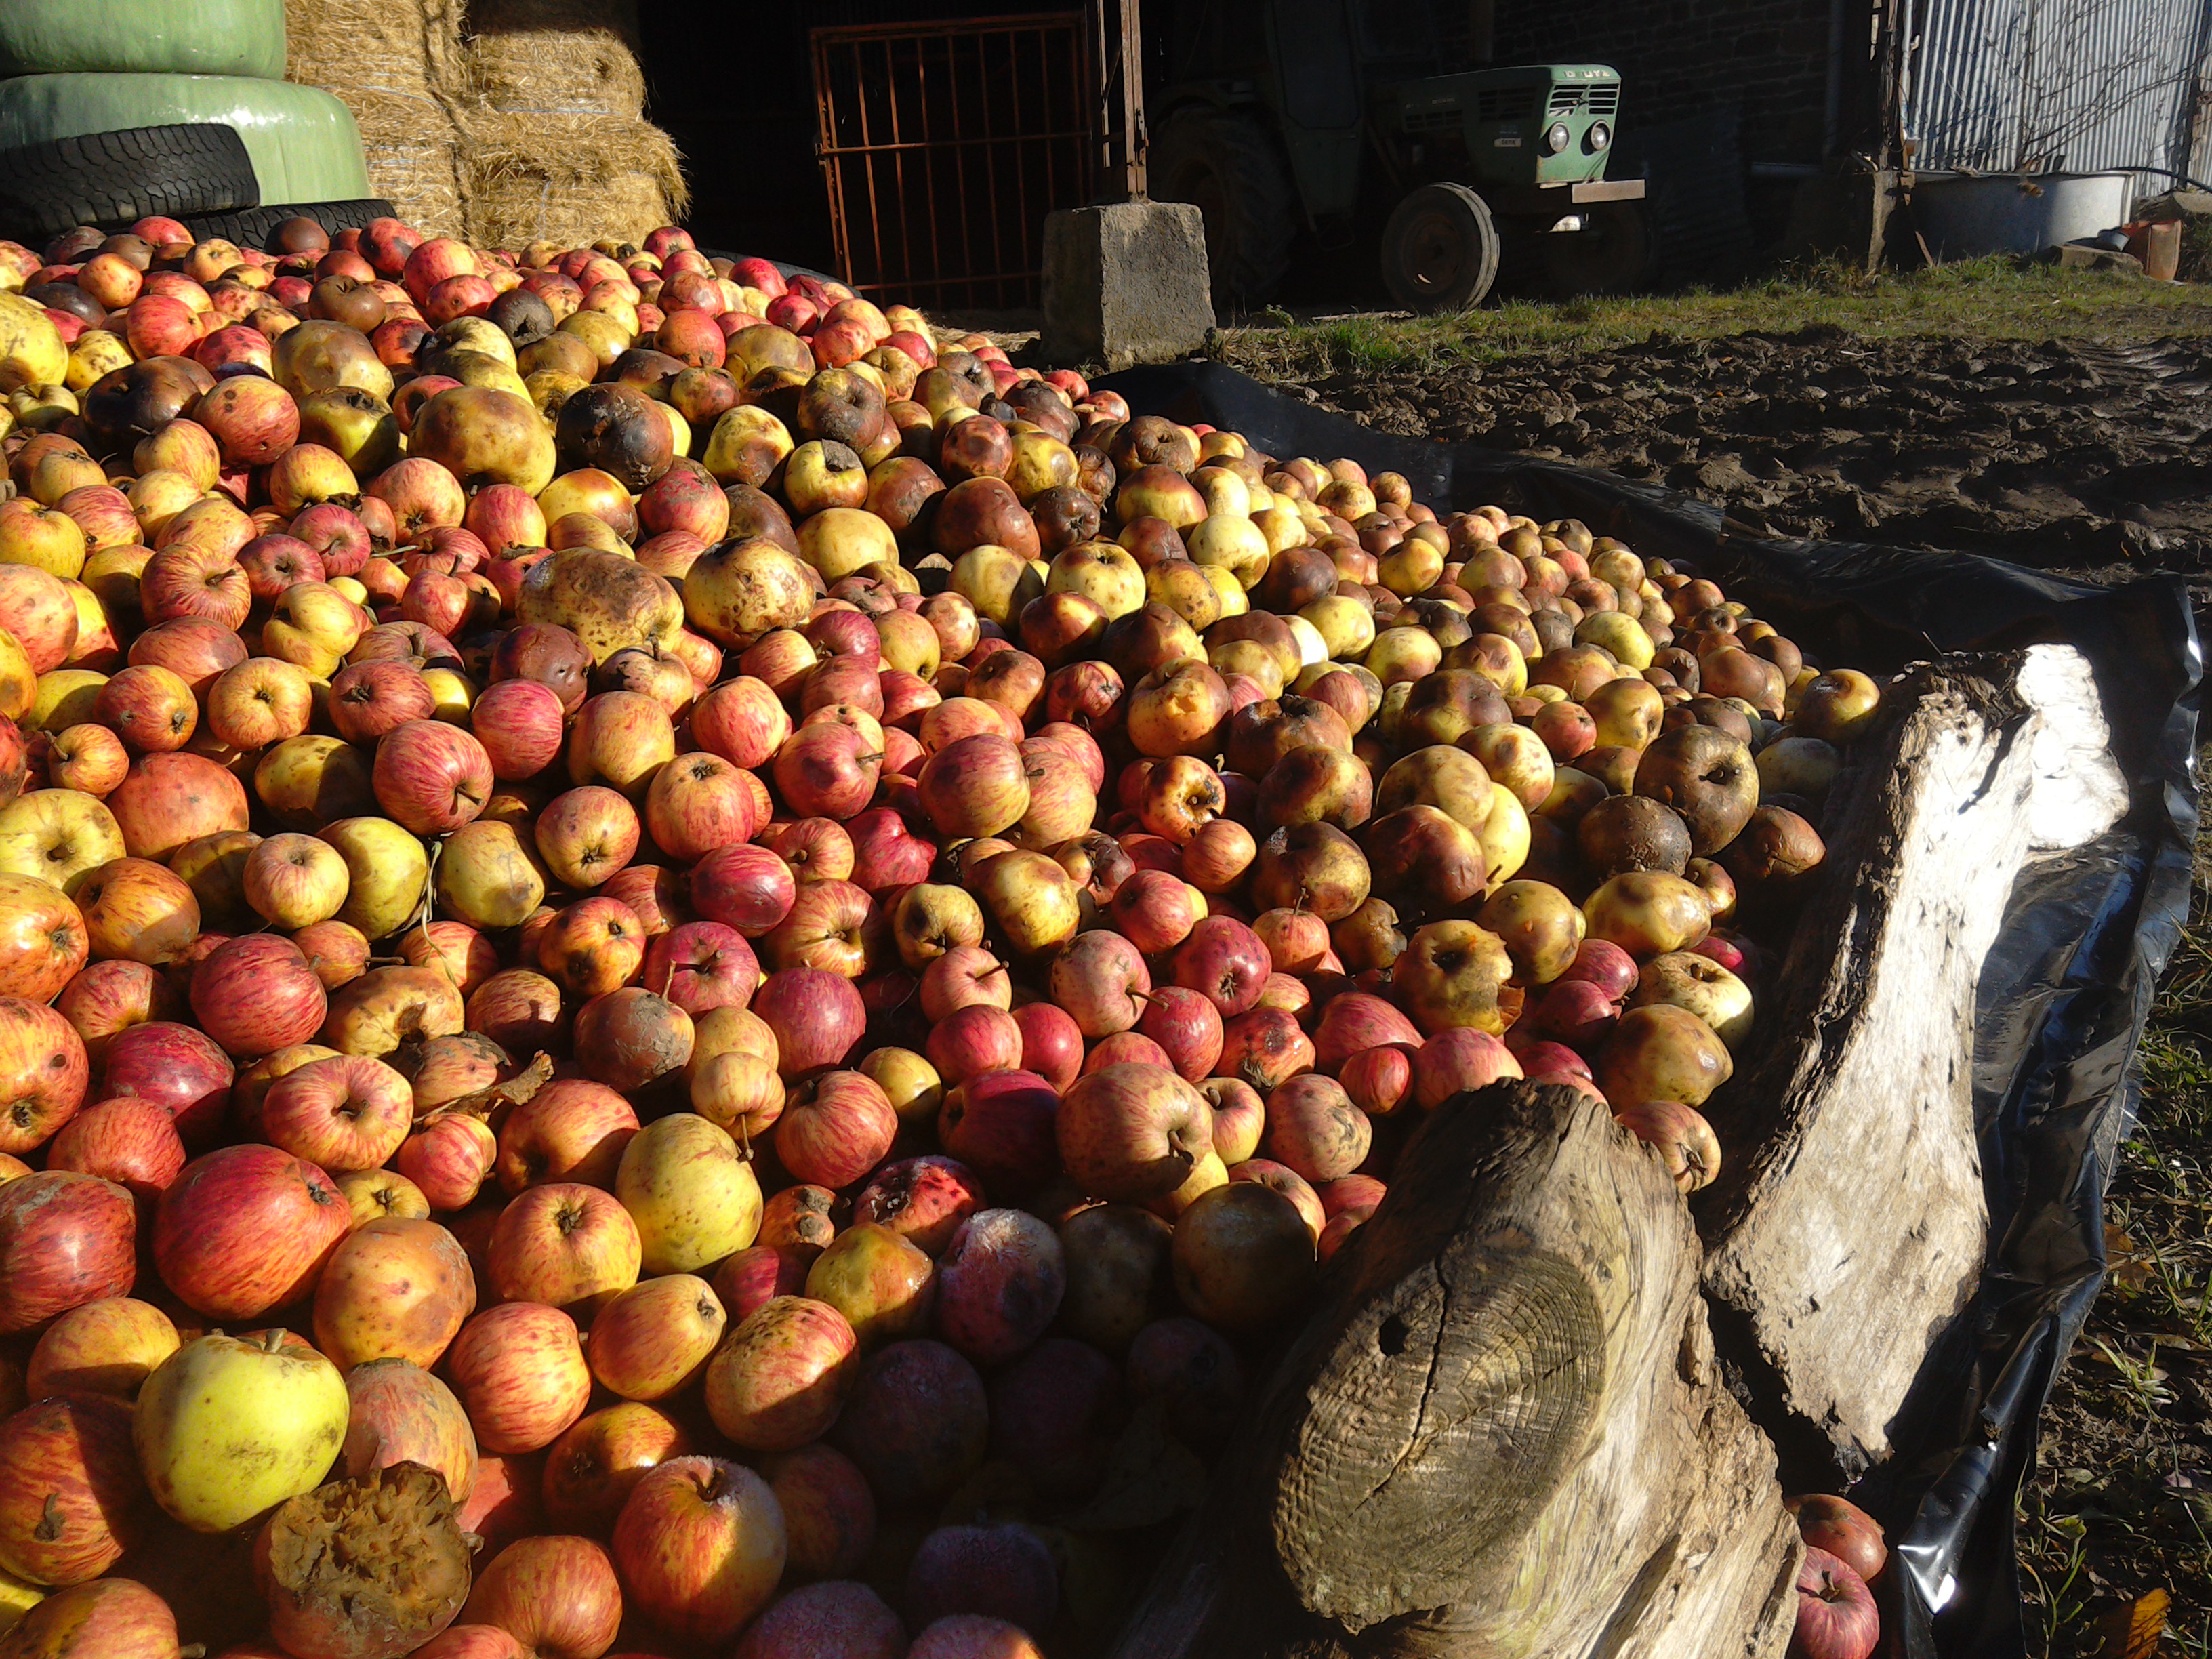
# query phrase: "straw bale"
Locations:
[[390, 48], [555, 57], [569, 179], [413, 149]]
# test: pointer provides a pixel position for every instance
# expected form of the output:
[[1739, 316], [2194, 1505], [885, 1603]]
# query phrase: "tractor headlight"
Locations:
[[1558, 137], [1599, 137]]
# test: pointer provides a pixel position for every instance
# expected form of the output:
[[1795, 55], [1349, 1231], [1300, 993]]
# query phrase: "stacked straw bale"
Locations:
[[557, 145], [400, 67], [556, 57], [504, 121]]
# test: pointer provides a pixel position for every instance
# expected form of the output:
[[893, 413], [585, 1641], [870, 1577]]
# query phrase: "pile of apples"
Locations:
[[677, 959]]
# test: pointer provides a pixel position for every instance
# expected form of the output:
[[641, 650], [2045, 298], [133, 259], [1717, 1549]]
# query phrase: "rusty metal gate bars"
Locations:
[[944, 146]]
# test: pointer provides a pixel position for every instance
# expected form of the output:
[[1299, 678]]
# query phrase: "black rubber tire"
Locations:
[[1440, 249], [1612, 255], [1231, 168], [254, 227], [114, 177]]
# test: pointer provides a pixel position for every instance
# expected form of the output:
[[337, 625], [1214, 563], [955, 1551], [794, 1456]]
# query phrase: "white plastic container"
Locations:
[[1964, 217]]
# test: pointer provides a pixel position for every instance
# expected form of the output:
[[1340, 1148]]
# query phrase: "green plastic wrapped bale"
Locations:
[[143, 37], [304, 143]]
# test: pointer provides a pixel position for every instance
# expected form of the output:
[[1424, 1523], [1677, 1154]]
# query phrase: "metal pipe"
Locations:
[[1832, 119]]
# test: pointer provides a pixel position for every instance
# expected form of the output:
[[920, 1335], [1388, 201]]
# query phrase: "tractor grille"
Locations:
[[1600, 102], [1506, 103], [1433, 121]]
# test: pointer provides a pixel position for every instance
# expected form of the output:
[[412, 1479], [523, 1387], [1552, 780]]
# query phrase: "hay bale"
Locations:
[[555, 57], [388, 48], [571, 179], [413, 149], [400, 67]]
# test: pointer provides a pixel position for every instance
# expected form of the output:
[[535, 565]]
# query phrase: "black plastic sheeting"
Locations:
[[2064, 992]]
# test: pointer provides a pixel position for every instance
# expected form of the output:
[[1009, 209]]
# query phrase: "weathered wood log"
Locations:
[[1501, 1432], [1848, 1228]]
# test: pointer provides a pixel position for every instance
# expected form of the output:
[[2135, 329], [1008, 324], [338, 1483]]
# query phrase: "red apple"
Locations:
[[431, 777], [699, 1547], [130, 1141], [1845, 1531], [835, 1127], [179, 1069], [347, 1113], [1836, 1617], [564, 1244], [702, 965], [448, 1160], [747, 887], [519, 723], [257, 994], [780, 1378], [558, 1597], [1132, 1132], [818, 1018], [1052, 1042], [71, 1500], [43, 1073], [246, 1229], [519, 1370], [65, 1239], [570, 1130]]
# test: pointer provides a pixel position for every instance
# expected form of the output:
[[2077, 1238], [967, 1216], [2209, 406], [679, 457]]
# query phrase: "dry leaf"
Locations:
[[2131, 1631], [2128, 1268]]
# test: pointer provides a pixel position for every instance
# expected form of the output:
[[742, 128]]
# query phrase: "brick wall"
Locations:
[[1677, 55]]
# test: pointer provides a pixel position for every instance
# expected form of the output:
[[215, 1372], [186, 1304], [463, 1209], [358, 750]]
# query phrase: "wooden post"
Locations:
[[1118, 47], [1481, 31]]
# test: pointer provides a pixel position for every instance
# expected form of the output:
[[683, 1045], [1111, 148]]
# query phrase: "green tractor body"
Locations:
[[1512, 129], [1331, 118]]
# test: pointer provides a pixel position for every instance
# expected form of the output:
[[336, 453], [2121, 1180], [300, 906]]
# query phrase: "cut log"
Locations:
[[1849, 1227], [1501, 1433]]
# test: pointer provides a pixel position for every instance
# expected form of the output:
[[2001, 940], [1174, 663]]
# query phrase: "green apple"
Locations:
[[226, 1429], [388, 870], [691, 1193]]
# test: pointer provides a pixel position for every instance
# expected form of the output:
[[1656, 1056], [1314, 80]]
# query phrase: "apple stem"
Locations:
[[272, 1339], [430, 888]]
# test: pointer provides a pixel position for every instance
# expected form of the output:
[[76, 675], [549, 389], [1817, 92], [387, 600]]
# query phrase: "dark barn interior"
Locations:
[[1743, 100]]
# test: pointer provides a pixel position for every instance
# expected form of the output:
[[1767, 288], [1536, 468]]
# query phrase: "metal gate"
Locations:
[[944, 146]]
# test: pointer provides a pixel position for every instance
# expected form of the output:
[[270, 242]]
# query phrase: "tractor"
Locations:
[[1331, 117]]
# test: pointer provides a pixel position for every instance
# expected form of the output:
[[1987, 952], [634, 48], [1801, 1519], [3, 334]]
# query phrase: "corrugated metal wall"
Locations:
[[2070, 85]]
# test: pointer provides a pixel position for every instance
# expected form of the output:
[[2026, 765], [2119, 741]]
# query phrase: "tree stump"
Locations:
[[1848, 1228], [1501, 1432]]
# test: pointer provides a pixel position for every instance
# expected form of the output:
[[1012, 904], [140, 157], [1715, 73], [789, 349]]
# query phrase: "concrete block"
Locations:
[[1125, 283], [2077, 255]]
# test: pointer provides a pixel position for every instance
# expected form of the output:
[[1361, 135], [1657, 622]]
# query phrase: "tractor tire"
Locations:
[[254, 227], [1440, 250], [113, 178], [1612, 254], [1233, 171]]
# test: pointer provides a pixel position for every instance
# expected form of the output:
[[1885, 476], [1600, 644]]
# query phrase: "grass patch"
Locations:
[[1997, 298], [2121, 1504]]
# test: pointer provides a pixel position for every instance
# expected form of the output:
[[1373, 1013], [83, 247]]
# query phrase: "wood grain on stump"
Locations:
[[1501, 1433], [1848, 1228]]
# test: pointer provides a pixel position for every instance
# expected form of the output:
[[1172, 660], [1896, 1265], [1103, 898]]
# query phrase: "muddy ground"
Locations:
[[2080, 458]]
